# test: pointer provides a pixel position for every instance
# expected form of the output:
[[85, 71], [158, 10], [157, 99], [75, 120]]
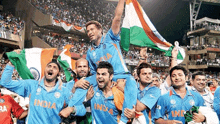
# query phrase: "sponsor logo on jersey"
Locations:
[[172, 101], [192, 102], [97, 94], [2, 100], [38, 91], [3, 108], [57, 95]]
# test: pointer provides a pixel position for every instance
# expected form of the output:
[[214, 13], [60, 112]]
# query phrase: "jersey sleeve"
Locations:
[[92, 65], [216, 104], [115, 38], [16, 108], [21, 87], [151, 96], [78, 97], [160, 108]]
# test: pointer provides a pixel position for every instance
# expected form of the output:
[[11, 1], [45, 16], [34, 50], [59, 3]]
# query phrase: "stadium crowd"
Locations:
[[77, 12], [10, 25]]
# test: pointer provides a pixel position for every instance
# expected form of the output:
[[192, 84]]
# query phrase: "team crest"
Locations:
[[192, 102], [172, 101], [97, 94], [57, 95], [2, 100], [35, 73]]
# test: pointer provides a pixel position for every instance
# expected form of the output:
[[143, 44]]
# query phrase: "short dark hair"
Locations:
[[55, 62], [105, 64], [96, 23], [142, 65], [179, 68], [197, 73]]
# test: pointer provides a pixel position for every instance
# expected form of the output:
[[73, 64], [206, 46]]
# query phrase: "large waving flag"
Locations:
[[30, 63], [137, 29], [66, 62]]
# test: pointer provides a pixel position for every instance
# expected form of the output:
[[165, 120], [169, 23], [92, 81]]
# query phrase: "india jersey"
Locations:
[[8, 106], [216, 104], [108, 50], [149, 96], [44, 107], [174, 106], [103, 109]]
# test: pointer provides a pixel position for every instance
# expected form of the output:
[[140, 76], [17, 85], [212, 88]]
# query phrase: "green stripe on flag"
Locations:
[[65, 66], [136, 36], [169, 53], [19, 61]]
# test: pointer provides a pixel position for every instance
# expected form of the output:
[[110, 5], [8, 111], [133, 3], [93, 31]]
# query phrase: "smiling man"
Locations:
[[178, 100], [47, 97], [107, 48], [199, 85], [103, 107]]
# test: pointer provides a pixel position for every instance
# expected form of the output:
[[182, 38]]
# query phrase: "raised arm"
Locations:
[[172, 64], [117, 18], [21, 87]]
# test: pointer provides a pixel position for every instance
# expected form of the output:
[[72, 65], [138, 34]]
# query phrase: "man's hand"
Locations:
[[162, 121], [143, 53], [130, 113], [198, 117], [121, 84], [66, 112], [90, 93], [82, 84], [174, 52]]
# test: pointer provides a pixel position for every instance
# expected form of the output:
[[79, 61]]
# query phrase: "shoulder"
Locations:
[[154, 89]]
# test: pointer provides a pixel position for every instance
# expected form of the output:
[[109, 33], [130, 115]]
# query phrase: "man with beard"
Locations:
[[107, 48], [47, 97], [178, 100], [82, 71]]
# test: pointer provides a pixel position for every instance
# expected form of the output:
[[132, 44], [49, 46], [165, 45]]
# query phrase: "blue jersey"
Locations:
[[149, 96], [103, 109], [174, 106], [216, 104], [108, 50], [44, 106]]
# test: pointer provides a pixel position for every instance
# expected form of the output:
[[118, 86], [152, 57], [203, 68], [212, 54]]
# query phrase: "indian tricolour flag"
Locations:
[[66, 26], [66, 62], [30, 63], [137, 29]]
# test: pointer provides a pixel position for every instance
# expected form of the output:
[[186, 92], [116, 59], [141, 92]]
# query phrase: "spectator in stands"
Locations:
[[199, 85]]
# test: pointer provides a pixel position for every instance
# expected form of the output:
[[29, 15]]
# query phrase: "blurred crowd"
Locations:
[[77, 12], [59, 41], [10, 25]]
